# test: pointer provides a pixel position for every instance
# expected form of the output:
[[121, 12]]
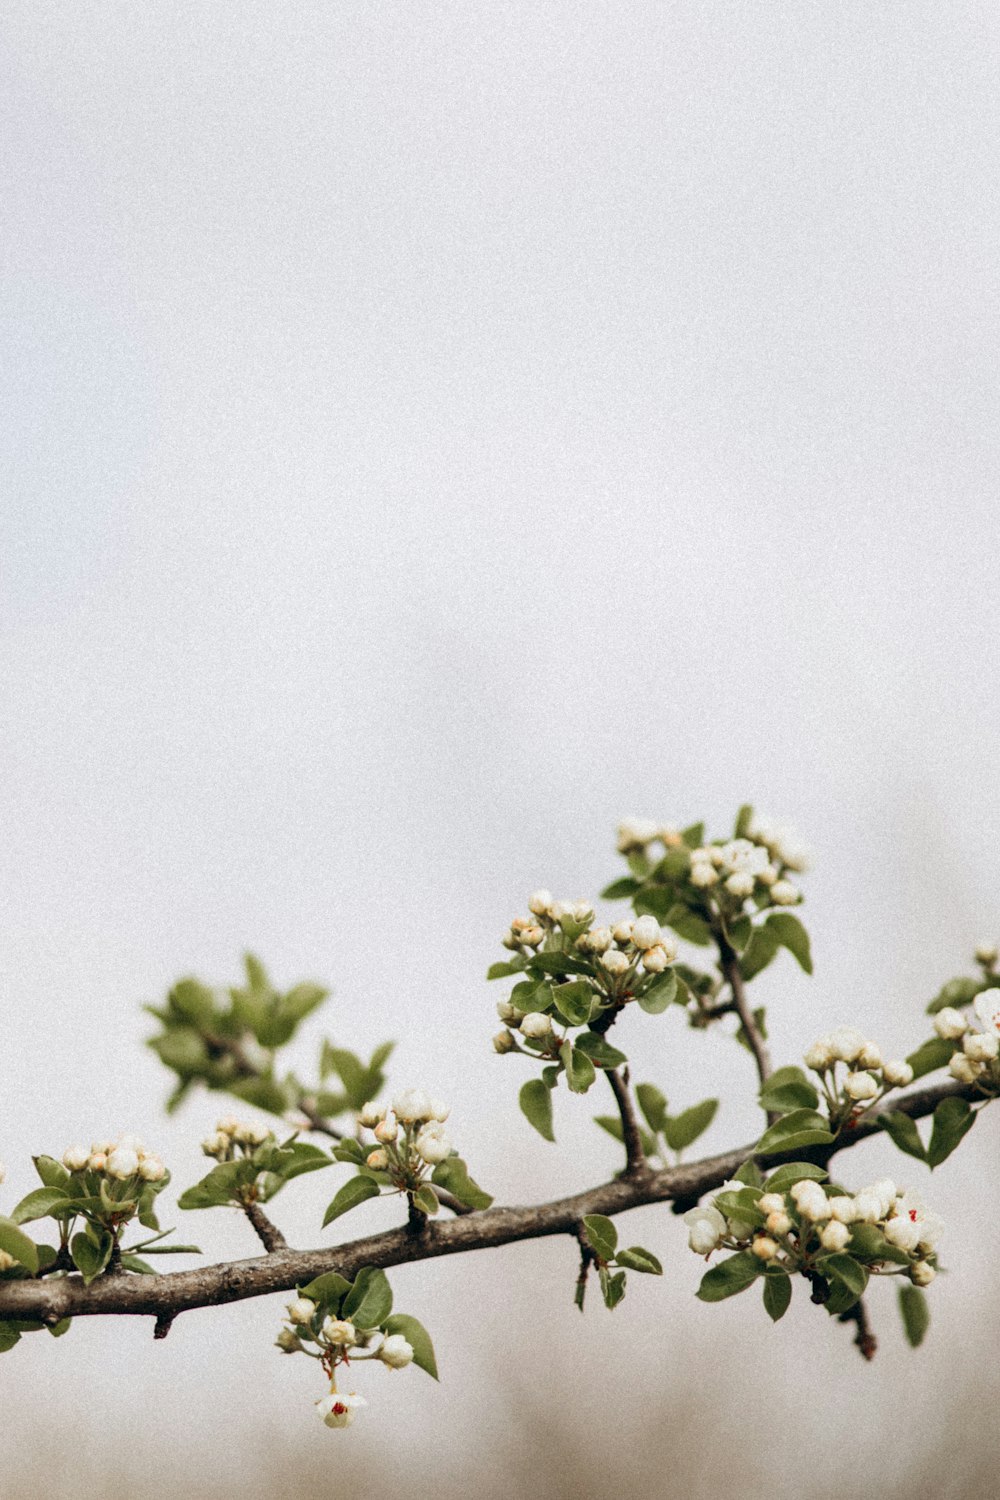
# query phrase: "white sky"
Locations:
[[431, 433]]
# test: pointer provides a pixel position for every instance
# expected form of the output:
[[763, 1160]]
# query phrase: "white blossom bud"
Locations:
[[505, 1011], [741, 884], [583, 911], [622, 932], [616, 962], [122, 1164], [844, 1210], [433, 1145], [706, 1228], [981, 1046], [870, 1056], [395, 1351], [783, 893], [777, 1223], [103, 1148], [655, 960], [764, 1247], [536, 1024], [636, 833], [867, 1207], [439, 1111], [412, 1104], [560, 909], [702, 874], [339, 1331], [860, 1086], [151, 1169], [922, 1273], [646, 933], [6, 1260], [131, 1143], [987, 954], [216, 1144], [897, 1073], [902, 1232], [387, 1130], [504, 1042], [950, 1024], [288, 1342], [98, 1161], [337, 1410], [532, 936], [819, 1056], [229, 1125], [600, 939], [810, 1200], [377, 1159], [771, 1203], [300, 1311], [767, 875], [370, 1113], [75, 1159], [964, 1069], [846, 1044], [834, 1236], [886, 1192], [539, 902]]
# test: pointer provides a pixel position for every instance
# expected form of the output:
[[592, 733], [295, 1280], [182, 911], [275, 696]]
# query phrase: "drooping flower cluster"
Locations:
[[125, 1160], [865, 1078], [233, 1137], [977, 1062], [410, 1134], [335, 1342], [743, 869], [888, 1229]]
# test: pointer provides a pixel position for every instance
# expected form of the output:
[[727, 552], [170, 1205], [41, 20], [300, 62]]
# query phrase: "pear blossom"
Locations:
[[339, 1331], [964, 1069], [846, 1044], [981, 1046], [834, 1236], [337, 1410], [646, 933], [987, 1008], [75, 1159], [819, 1056], [412, 1104], [615, 961], [395, 1351], [783, 893], [301, 1311], [950, 1024], [122, 1164], [860, 1086], [987, 954], [897, 1073], [536, 1024], [706, 1229], [636, 833], [540, 902]]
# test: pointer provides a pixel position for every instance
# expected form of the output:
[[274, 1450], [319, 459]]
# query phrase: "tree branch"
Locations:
[[635, 1157], [163, 1297], [269, 1234], [729, 963]]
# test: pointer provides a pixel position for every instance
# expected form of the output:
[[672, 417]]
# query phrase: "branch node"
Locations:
[[162, 1325]]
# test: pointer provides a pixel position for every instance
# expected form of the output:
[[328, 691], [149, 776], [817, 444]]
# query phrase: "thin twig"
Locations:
[[269, 1234], [635, 1157], [729, 963], [210, 1286]]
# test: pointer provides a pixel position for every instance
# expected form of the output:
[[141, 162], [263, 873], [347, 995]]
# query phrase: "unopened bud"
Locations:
[[950, 1024], [986, 954], [922, 1273], [834, 1236], [387, 1130], [860, 1086], [764, 1247], [377, 1159], [981, 1046], [655, 960], [75, 1159], [869, 1056], [536, 1024], [504, 1042], [301, 1311], [896, 1073], [539, 902], [615, 961], [646, 933]]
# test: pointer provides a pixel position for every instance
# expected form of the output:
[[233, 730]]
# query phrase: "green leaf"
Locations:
[[935, 1053], [661, 994], [551, 961], [418, 1338], [782, 1178], [613, 1125], [40, 1203], [350, 1150], [369, 1302], [688, 925], [9, 1336], [504, 970], [729, 1277], [904, 1133], [531, 995], [58, 1329], [791, 935], [193, 1001], [574, 1001], [220, 1186], [88, 1257], [351, 1070], [265, 1093], [635, 1258], [744, 822], [759, 952], [17, 1244], [694, 835], [685, 1128], [847, 1270], [870, 1245], [580, 1072], [136, 1264], [618, 890], [803, 1127], [916, 1316], [52, 1172], [356, 1190], [653, 1105], [777, 1295], [612, 1287], [958, 993], [601, 1234], [535, 1100], [427, 1200], [600, 1051], [952, 1119], [327, 1290], [788, 1089], [453, 1175], [749, 1173]]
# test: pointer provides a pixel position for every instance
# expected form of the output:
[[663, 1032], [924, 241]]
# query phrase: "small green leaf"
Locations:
[[803, 1127], [688, 925], [504, 970], [729, 1277], [535, 1100], [847, 1270], [791, 935], [327, 1290], [40, 1203], [602, 1235], [744, 821], [17, 1244], [904, 1133], [417, 1337], [685, 1128], [952, 1120], [612, 1287], [618, 890], [9, 1336], [550, 961], [88, 1257], [600, 1051], [749, 1173], [788, 1089], [777, 1295], [580, 1072], [635, 1258], [653, 1105], [759, 952], [782, 1178], [221, 1185], [427, 1200], [935, 1053], [355, 1191], [574, 1001], [958, 993], [660, 994], [915, 1314], [453, 1175], [613, 1125], [136, 1264], [52, 1172], [369, 1302]]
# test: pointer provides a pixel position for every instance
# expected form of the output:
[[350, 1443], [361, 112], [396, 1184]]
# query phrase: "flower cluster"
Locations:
[[336, 1341], [977, 1062], [866, 1077], [125, 1161], [743, 869], [636, 834], [887, 1229], [410, 1134], [232, 1137]]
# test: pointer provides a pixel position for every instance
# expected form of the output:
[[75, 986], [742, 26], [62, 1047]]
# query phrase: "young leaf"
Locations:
[[685, 1128], [660, 994], [602, 1235], [904, 1133], [788, 1089], [369, 1302], [574, 1001], [952, 1119], [847, 1270], [453, 1174], [781, 1178], [612, 1287], [915, 1314], [803, 1127], [17, 1244], [744, 822], [355, 1190], [40, 1203], [327, 1290], [635, 1258], [418, 1338], [759, 952], [934, 1053], [52, 1172], [427, 1200], [729, 1277], [653, 1105], [580, 1072], [791, 934], [777, 1295], [88, 1257], [535, 1100], [504, 970], [749, 1173], [600, 1051], [618, 890], [957, 992]]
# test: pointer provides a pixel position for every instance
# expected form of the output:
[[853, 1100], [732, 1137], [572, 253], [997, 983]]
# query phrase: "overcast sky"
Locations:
[[431, 433]]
